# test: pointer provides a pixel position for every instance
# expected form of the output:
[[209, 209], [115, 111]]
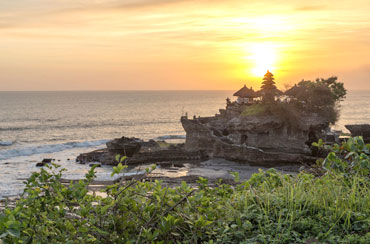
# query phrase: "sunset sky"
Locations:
[[181, 45]]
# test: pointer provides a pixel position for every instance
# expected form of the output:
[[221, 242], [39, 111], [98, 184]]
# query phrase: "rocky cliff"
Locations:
[[264, 138]]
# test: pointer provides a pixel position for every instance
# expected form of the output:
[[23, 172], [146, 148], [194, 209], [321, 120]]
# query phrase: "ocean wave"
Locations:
[[170, 137], [6, 143], [52, 148], [44, 127], [88, 125]]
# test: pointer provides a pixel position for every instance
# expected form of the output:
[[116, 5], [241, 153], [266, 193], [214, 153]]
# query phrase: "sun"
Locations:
[[263, 57]]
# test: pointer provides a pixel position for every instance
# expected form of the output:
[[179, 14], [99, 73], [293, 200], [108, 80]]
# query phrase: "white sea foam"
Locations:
[[6, 143], [170, 137], [51, 148]]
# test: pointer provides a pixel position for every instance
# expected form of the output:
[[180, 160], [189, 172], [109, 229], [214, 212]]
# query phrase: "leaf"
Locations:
[[122, 159], [14, 232]]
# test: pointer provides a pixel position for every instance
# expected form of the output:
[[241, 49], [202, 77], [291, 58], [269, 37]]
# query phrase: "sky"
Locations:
[[181, 44]]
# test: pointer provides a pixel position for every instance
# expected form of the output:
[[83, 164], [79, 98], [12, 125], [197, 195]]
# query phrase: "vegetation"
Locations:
[[254, 109], [321, 96], [268, 208]]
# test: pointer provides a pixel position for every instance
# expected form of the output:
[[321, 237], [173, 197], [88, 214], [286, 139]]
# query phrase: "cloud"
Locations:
[[311, 8]]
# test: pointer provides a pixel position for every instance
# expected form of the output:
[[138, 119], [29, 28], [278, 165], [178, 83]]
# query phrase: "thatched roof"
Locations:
[[275, 92], [246, 92]]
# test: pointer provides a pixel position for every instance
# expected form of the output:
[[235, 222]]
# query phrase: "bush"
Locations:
[[351, 158]]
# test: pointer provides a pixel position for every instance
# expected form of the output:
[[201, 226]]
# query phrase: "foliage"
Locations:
[[329, 90], [337, 88], [320, 96], [268, 208], [285, 112], [350, 158]]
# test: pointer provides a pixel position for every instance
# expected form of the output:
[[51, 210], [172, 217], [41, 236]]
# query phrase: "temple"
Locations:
[[245, 95], [268, 92]]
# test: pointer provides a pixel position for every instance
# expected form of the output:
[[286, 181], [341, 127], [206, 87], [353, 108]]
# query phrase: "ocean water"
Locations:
[[60, 125]]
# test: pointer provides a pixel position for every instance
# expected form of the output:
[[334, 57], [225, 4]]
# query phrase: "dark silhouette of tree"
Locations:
[[268, 88], [337, 88], [321, 96]]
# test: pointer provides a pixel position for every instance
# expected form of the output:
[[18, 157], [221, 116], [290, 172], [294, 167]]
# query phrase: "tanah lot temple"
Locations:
[[247, 96]]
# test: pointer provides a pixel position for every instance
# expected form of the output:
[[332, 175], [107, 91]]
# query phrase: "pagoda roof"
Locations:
[[268, 74], [246, 92]]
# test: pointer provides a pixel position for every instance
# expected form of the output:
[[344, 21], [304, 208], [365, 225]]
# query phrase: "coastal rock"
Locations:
[[44, 162], [148, 152], [260, 139], [102, 156], [360, 130], [124, 146]]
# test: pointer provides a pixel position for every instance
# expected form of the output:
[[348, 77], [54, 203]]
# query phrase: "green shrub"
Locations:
[[350, 158]]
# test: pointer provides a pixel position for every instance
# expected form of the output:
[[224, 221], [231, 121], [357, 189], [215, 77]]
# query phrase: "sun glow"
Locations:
[[264, 57]]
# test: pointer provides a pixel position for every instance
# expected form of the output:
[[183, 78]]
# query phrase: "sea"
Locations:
[[61, 125]]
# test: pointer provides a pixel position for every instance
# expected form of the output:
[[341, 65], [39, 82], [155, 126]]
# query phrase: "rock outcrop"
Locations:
[[254, 139], [139, 152], [124, 146], [360, 130]]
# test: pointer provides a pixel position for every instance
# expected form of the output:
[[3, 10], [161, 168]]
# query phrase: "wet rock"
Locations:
[[360, 130], [44, 162], [150, 152], [124, 146], [102, 155], [95, 164], [151, 143], [165, 164]]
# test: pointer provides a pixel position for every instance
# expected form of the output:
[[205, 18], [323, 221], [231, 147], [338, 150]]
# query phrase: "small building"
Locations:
[[245, 95]]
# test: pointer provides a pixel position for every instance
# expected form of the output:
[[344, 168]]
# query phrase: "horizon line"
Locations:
[[109, 90], [154, 90]]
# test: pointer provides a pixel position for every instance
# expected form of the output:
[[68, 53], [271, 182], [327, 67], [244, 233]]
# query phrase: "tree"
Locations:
[[337, 88], [268, 88], [321, 96]]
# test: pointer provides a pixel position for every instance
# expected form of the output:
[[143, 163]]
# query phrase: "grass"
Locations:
[[254, 109]]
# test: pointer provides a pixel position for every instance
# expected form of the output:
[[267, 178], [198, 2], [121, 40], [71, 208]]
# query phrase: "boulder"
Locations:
[[44, 162], [124, 146], [40, 164], [102, 156], [360, 130]]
